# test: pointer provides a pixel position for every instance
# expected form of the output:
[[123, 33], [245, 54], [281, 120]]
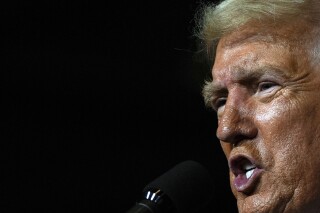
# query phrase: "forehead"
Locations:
[[272, 32], [252, 48]]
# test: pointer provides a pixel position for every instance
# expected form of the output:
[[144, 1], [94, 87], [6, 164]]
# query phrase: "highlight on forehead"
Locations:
[[252, 34]]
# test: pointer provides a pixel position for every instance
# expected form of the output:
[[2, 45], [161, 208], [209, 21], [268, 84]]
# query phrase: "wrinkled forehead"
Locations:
[[288, 35], [254, 43]]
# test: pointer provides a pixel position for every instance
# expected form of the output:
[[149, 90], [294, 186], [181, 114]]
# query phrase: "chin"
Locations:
[[271, 202], [263, 203]]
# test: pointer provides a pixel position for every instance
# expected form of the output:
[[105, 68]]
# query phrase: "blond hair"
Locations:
[[214, 21]]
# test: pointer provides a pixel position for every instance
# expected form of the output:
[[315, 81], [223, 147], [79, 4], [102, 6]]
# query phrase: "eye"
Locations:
[[267, 86], [219, 103]]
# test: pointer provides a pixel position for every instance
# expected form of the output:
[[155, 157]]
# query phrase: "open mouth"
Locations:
[[246, 173]]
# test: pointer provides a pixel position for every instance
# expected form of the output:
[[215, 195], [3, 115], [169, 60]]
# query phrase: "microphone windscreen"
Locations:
[[188, 185]]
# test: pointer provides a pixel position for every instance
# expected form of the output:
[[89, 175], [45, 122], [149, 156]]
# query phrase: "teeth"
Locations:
[[248, 167], [249, 173]]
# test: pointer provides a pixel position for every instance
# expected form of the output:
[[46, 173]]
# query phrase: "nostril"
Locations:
[[236, 123], [230, 134], [234, 139], [235, 133]]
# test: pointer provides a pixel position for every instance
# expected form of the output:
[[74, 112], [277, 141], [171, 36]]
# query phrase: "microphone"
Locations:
[[183, 189]]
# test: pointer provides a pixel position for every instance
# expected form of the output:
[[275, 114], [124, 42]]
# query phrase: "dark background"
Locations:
[[99, 99]]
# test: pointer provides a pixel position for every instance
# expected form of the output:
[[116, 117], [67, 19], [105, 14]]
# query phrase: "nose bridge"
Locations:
[[235, 105], [230, 117], [236, 120]]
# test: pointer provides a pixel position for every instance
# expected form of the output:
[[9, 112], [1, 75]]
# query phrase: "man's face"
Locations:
[[267, 97]]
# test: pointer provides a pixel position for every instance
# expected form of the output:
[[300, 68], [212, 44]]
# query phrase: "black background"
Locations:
[[99, 99]]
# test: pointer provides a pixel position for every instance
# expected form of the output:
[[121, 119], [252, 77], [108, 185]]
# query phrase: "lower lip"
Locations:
[[246, 185]]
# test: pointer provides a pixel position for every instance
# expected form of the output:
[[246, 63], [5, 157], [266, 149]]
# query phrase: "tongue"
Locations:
[[243, 178]]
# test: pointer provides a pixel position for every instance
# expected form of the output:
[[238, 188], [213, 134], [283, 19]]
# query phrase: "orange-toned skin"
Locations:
[[268, 97]]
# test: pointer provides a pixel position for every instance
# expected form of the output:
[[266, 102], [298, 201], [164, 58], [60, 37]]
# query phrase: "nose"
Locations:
[[236, 122]]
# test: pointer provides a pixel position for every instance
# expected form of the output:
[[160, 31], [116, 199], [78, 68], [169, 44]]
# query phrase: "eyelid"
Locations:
[[217, 94], [271, 86], [266, 83], [219, 102]]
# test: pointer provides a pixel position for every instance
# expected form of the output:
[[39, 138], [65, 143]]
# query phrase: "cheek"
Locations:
[[271, 113], [282, 136], [273, 123], [288, 142]]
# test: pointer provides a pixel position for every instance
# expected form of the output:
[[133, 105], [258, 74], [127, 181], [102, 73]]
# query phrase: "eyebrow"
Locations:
[[211, 90]]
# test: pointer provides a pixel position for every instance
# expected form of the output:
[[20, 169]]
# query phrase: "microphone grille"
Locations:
[[188, 185]]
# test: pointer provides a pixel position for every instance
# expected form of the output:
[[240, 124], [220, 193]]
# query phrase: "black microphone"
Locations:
[[183, 189]]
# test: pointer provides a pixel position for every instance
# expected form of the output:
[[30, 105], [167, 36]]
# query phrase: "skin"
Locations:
[[267, 98]]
